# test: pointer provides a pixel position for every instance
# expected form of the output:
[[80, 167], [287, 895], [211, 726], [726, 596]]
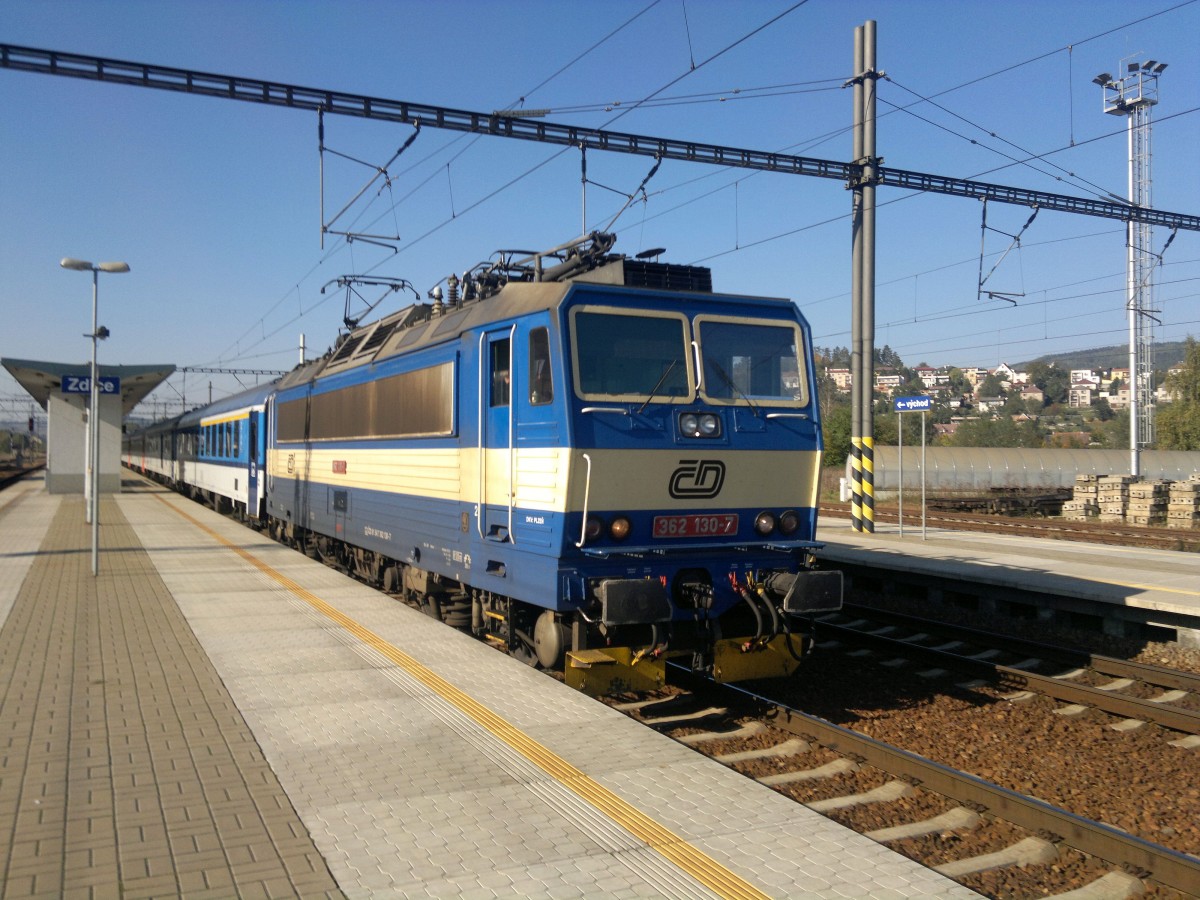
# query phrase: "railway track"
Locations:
[[1042, 834], [1108, 533], [10, 474], [948, 648]]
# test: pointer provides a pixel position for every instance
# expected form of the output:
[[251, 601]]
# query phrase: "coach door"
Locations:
[[253, 455], [496, 391]]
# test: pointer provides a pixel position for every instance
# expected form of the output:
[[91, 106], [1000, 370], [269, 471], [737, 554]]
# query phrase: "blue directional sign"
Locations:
[[920, 403], [82, 384]]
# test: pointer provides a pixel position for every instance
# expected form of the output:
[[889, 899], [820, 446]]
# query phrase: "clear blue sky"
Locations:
[[216, 204]]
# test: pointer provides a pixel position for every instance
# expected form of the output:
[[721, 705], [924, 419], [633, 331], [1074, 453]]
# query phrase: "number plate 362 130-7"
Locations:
[[697, 525]]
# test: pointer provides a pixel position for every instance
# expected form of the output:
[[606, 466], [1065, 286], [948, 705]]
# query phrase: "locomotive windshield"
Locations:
[[631, 356], [750, 362], [647, 356]]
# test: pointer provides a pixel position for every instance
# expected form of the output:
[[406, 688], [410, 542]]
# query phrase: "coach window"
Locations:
[[501, 377], [541, 385]]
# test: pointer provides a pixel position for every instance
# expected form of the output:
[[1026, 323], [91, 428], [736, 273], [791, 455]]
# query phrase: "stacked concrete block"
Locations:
[[1183, 504], [1084, 502], [1114, 497], [1147, 503]]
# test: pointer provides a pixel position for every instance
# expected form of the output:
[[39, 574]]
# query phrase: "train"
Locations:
[[593, 461]]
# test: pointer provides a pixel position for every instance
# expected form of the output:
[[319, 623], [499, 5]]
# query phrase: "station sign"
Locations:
[[82, 384], [920, 403]]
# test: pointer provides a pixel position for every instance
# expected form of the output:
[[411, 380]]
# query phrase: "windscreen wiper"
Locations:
[[729, 381], [658, 384]]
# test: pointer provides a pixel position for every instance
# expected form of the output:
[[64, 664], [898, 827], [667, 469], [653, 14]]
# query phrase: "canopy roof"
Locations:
[[41, 379]]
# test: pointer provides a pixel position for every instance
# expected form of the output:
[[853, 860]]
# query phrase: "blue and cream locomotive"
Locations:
[[574, 455]]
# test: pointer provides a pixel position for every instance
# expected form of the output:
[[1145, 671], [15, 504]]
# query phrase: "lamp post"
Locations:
[[93, 465]]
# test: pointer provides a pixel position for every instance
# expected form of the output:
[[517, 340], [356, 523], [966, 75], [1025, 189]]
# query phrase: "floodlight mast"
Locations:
[[1133, 96]]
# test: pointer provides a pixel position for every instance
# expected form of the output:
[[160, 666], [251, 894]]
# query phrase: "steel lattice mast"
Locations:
[[1134, 95]]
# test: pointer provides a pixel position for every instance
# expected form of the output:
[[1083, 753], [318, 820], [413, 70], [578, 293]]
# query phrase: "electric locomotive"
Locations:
[[589, 460], [573, 454]]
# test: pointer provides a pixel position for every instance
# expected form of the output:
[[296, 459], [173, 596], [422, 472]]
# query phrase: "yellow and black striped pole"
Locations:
[[868, 483], [856, 483]]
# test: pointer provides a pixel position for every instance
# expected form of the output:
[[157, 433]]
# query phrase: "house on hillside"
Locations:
[[1032, 392], [1004, 372], [841, 378], [1081, 394]]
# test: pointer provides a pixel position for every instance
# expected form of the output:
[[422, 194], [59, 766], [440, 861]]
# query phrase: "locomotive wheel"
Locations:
[[522, 648], [432, 607], [549, 640]]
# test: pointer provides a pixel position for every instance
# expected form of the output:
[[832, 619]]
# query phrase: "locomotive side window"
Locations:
[[621, 355], [499, 357], [747, 362], [541, 385], [411, 404]]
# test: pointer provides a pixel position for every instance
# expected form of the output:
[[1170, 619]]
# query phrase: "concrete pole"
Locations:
[[868, 277]]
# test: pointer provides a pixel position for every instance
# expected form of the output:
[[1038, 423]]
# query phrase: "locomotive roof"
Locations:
[[416, 326]]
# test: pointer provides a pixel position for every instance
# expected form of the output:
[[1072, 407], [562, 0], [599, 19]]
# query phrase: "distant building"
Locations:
[[974, 375], [1085, 376], [1004, 372], [988, 403], [887, 381], [841, 378], [1080, 394], [1033, 392]]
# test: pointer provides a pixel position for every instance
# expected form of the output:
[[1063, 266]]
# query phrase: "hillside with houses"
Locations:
[[1039, 404]]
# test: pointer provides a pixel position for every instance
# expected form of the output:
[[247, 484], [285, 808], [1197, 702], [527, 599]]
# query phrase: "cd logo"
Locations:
[[697, 479]]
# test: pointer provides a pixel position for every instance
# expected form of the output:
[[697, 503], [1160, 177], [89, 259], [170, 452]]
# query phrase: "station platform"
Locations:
[[1134, 585], [215, 715]]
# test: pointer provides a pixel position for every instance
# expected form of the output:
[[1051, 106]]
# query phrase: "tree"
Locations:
[[1104, 411], [836, 428], [1178, 422], [1002, 432], [1054, 382], [990, 387]]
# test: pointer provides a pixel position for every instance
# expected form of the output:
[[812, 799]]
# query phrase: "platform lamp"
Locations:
[[93, 466]]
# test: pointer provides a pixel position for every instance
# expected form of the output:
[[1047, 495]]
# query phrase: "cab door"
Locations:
[[497, 372]]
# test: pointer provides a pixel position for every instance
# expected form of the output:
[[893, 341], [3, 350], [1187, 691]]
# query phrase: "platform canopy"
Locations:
[[41, 379]]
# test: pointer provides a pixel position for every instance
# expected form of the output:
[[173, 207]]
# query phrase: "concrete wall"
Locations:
[[66, 444]]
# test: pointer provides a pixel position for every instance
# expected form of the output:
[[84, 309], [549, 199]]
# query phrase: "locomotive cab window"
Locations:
[[541, 384], [500, 357], [632, 356], [749, 362]]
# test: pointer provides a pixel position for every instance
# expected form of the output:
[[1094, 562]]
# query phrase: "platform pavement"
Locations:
[[1154, 581], [215, 715]]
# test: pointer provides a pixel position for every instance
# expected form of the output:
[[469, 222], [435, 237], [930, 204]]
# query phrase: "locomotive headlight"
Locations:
[[595, 526], [701, 425], [620, 528], [789, 522], [764, 524]]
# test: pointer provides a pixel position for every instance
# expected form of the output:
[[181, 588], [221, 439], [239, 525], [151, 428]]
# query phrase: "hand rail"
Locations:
[[587, 487], [481, 462]]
